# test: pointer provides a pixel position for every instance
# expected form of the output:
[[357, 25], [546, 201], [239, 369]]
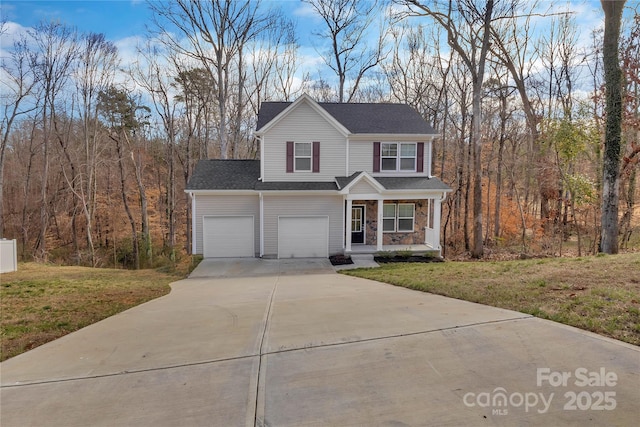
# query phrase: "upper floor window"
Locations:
[[302, 156], [398, 157]]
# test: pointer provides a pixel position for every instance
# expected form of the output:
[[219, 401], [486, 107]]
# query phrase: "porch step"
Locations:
[[364, 261], [362, 257]]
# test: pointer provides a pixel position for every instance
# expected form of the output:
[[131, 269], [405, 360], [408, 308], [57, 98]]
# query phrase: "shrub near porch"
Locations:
[[396, 238]]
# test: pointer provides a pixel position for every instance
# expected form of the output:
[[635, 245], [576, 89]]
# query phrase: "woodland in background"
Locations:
[[96, 151]]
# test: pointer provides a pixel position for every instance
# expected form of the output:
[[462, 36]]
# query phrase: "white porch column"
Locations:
[[437, 212], [379, 225], [347, 237]]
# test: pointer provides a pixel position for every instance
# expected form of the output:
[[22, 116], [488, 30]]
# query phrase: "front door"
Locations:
[[357, 224]]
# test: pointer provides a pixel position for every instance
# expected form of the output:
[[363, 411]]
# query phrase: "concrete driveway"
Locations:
[[292, 343]]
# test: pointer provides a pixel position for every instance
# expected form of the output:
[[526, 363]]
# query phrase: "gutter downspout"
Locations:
[[261, 224], [259, 138], [193, 223]]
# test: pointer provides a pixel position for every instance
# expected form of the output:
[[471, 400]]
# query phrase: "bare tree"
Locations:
[[54, 55], [96, 69], [156, 75], [117, 108], [499, 89], [215, 34], [194, 93], [273, 62], [513, 47], [612, 140], [348, 24], [18, 86], [468, 29], [417, 71]]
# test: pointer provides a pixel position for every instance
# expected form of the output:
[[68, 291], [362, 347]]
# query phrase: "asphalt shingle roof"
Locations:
[[244, 174], [412, 183], [225, 175], [295, 186], [343, 181], [361, 118]]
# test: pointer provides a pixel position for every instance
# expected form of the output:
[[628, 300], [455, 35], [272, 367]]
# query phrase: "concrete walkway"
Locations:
[[282, 343]]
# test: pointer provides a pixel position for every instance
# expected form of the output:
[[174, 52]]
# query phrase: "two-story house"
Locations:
[[332, 179]]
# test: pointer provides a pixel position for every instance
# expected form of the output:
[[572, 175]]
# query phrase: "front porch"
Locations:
[[417, 231]]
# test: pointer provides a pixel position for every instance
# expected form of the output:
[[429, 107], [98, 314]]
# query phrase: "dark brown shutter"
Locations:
[[289, 156], [376, 157], [420, 159], [316, 156]]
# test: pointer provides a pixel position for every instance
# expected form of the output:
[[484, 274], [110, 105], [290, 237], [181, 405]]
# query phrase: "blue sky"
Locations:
[[117, 19], [123, 21]]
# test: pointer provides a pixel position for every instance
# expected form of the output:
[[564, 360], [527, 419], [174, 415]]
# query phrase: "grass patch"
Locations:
[[39, 303], [599, 294]]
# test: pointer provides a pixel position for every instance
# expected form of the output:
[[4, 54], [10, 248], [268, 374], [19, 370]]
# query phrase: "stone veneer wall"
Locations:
[[415, 238]]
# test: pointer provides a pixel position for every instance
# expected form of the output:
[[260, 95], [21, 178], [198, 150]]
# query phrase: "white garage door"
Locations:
[[228, 236], [303, 237]]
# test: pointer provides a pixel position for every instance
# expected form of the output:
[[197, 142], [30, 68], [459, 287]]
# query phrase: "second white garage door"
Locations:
[[303, 237], [228, 236]]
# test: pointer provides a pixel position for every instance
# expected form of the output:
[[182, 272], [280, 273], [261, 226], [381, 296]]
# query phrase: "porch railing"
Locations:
[[432, 237]]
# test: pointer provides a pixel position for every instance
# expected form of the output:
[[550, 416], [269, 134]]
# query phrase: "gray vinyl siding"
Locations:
[[360, 157], [427, 156], [226, 205], [303, 124], [275, 206], [362, 187]]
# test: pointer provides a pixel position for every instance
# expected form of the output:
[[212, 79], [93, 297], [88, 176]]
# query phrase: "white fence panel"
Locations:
[[8, 256]]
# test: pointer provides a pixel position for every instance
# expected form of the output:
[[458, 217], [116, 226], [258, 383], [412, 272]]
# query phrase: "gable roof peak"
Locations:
[[354, 118]]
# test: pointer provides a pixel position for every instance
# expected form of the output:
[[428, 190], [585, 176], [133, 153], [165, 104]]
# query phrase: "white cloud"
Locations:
[[12, 31], [128, 49], [305, 10]]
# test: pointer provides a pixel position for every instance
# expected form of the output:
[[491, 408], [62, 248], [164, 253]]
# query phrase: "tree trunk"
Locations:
[[503, 122], [41, 243], [612, 141], [2, 151], [144, 216], [467, 193], [123, 190], [476, 124], [625, 221]]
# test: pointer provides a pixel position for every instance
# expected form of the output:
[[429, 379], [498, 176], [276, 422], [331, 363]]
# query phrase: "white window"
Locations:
[[389, 217], [302, 156], [406, 213], [389, 157], [408, 157], [396, 157], [398, 217]]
